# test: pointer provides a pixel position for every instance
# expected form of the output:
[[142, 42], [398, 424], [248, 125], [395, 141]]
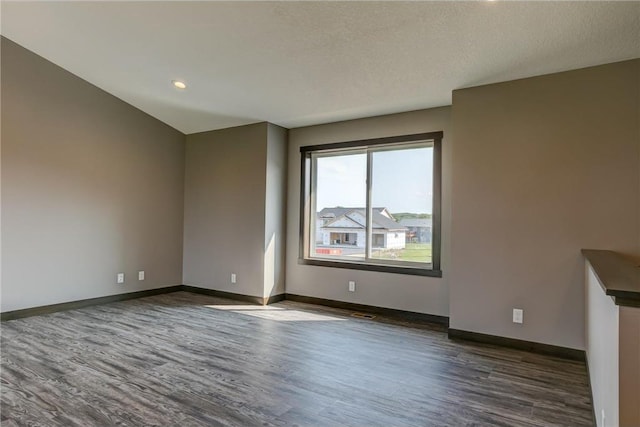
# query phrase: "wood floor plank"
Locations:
[[195, 360]]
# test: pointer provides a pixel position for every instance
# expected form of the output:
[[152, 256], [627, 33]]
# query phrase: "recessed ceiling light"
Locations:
[[179, 84]]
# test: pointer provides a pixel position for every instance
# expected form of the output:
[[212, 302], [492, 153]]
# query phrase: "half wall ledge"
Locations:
[[618, 276]]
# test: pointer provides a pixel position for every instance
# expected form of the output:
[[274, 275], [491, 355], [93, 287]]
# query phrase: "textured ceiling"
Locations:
[[303, 63]]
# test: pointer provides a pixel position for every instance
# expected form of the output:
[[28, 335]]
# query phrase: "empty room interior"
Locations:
[[320, 213]]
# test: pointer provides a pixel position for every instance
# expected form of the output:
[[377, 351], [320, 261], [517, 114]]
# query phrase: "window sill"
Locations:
[[372, 267]]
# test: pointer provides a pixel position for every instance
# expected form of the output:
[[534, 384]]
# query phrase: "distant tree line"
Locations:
[[404, 215]]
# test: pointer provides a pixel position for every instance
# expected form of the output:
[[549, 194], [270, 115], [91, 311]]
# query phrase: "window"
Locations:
[[372, 204]]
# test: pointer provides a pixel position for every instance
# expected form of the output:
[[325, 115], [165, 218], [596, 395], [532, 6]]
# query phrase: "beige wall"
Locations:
[[613, 356], [629, 361], [91, 187], [224, 216], [542, 167], [602, 347], [413, 293], [234, 209], [275, 211]]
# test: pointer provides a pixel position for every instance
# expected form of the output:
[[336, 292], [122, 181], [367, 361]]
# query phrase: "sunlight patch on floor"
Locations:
[[279, 314]]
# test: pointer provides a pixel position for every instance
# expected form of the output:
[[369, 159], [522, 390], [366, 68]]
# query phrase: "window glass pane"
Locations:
[[402, 194], [338, 229]]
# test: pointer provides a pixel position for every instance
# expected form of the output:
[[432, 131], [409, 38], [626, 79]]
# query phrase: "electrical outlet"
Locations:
[[120, 278], [352, 286], [141, 275], [233, 278], [518, 314]]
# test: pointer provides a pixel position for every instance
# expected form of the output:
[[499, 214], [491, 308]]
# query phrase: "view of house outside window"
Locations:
[[401, 205]]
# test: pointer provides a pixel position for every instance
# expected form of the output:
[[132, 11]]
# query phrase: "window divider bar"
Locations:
[[313, 209], [369, 213]]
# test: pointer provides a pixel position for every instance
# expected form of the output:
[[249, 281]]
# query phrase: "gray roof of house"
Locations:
[[339, 211], [379, 220], [416, 222], [385, 222]]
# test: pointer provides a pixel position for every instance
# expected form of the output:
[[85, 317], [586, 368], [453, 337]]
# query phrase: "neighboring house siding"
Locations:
[[388, 240], [345, 227], [419, 229], [420, 234], [395, 240], [319, 224], [357, 217], [385, 212], [336, 237], [344, 223]]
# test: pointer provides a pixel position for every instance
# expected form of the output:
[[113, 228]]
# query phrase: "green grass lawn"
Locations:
[[415, 252]]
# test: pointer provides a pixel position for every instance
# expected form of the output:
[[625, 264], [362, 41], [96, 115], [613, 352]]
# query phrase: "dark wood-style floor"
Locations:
[[183, 359]]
